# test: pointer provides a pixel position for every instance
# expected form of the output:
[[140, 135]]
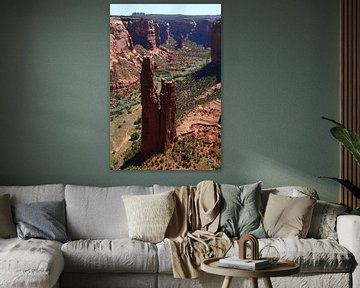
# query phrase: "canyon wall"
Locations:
[[156, 32], [120, 40], [164, 32], [142, 31], [216, 42], [125, 62], [180, 30], [202, 32]]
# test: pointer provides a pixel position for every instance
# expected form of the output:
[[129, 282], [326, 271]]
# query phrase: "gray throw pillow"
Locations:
[[44, 220], [7, 227], [323, 222], [240, 213]]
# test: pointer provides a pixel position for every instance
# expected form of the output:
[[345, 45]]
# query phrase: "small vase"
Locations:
[[270, 253]]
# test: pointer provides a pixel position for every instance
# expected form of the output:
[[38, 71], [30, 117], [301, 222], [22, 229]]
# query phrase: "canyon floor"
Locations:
[[198, 117]]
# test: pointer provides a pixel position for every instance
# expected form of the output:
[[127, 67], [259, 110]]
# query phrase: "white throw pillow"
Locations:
[[149, 215]]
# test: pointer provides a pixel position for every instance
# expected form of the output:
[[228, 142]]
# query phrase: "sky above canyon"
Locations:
[[185, 9]]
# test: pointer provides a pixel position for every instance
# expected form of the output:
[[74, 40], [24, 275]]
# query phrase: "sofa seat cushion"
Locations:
[[115, 255], [30, 263], [313, 255]]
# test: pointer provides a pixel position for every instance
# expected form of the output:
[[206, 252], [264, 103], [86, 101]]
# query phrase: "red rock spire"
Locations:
[[167, 114], [158, 129], [150, 113]]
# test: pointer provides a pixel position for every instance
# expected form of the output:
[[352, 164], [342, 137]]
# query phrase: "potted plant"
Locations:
[[351, 141]]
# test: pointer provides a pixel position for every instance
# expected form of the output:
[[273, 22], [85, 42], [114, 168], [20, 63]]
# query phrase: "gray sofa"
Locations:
[[101, 254]]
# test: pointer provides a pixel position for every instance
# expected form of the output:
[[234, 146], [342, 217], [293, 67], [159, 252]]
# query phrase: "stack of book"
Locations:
[[248, 264]]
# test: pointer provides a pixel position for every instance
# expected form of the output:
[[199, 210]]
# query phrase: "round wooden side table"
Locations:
[[281, 268]]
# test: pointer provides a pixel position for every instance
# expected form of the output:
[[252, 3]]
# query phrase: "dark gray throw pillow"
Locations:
[[7, 227], [44, 220], [240, 213]]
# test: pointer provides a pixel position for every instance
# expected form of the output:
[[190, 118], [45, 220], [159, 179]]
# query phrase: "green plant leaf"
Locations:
[[333, 121], [355, 211], [348, 138], [347, 184]]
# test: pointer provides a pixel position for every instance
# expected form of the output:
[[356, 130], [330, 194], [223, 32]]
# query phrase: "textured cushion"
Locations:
[[287, 216], [240, 210], [98, 213], [31, 263], [7, 227], [323, 222], [44, 220], [149, 215], [36, 193], [117, 255], [313, 255]]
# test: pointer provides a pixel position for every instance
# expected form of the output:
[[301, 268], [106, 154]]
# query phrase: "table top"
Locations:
[[281, 268]]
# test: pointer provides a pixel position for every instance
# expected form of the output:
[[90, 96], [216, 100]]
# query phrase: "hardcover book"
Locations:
[[236, 262]]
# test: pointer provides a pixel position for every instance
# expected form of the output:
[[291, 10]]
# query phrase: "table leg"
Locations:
[[227, 282], [267, 283], [254, 282]]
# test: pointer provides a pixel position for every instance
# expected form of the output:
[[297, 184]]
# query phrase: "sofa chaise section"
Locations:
[[31, 263]]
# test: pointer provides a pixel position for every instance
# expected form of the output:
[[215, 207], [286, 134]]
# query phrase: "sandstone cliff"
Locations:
[[164, 32], [125, 62], [152, 33], [157, 34], [180, 30], [202, 32], [120, 41], [216, 42], [142, 31]]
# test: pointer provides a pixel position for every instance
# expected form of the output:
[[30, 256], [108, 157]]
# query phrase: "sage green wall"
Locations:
[[280, 75]]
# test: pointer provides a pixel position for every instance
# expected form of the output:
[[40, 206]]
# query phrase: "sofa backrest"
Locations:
[[163, 188], [98, 213], [36, 193]]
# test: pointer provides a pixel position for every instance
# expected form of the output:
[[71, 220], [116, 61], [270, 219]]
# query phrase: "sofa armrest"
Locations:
[[348, 230]]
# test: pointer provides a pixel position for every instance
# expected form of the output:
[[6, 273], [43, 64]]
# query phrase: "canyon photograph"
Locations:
[[165, 86]]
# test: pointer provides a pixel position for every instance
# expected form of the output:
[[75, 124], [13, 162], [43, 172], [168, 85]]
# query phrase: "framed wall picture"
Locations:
[[165, 86]]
